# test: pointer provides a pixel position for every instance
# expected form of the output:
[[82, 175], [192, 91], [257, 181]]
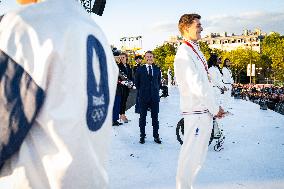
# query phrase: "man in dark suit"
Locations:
[[148, 79]]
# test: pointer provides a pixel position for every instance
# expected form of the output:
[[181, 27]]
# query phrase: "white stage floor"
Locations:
[[252, 158]]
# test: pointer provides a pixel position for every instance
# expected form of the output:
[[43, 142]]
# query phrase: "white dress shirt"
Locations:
[[147, 66]]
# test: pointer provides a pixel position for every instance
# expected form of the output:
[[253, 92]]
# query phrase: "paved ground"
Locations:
[[253, 155]]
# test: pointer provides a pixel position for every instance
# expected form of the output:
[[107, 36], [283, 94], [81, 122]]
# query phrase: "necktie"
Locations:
[[150, 70]]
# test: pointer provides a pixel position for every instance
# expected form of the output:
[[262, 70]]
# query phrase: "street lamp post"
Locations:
[[250, 63], [258, 73], [266, 80]]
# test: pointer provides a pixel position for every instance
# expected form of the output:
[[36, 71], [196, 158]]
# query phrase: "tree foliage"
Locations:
[[205, 49], [273, 48], [240, 59], [164, 56]]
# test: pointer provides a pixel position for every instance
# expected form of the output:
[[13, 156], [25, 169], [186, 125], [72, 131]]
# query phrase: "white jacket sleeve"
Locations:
[[216, 77]]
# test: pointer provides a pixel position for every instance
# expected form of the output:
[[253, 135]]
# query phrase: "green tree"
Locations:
[[131, 61], [205, 49], [240, 58], [169, 63], [264, 69], [164, 56], [273, 47]]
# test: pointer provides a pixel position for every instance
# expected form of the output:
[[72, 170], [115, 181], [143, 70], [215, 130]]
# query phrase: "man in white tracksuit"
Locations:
[[197, 101], [228, 81], [57, 87]]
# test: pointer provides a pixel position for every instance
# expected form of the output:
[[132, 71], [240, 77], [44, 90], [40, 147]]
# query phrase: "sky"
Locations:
[[156, 20]]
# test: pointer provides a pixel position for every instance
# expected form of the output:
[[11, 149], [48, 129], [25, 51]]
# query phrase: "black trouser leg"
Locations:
[[124, 96], [142, 119], [155, 119]]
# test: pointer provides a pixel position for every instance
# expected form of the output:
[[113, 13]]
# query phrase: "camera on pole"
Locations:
[[97, 7]]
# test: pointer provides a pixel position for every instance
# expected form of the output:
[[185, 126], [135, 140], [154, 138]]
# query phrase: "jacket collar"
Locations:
[[194, 44]]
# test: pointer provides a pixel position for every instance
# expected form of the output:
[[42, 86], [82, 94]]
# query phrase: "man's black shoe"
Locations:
[[142, 140], [116, 123], [158, 140]]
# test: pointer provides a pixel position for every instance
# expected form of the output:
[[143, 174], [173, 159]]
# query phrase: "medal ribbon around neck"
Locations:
[[204, 63]]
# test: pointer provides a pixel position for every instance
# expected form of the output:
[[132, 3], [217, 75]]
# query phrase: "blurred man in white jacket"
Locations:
[[216, 77], [228, 82], [197, 101], [57, 87]]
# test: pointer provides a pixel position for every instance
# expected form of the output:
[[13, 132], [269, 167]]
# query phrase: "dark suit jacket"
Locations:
[[148, 87]]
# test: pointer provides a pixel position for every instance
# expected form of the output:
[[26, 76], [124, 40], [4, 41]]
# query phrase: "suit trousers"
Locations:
[[124, 97], [154, 106], [197, 130]]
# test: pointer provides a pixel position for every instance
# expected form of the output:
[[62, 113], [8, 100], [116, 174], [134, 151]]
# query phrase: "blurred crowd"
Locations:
[[273, 96]]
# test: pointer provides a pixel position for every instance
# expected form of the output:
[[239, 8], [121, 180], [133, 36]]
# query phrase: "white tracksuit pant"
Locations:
[[197, 130]]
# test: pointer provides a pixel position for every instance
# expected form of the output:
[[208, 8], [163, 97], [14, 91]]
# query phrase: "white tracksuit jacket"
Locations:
[[57, 85], [196, 92], [217, 82], [227, 76], [228, 81]]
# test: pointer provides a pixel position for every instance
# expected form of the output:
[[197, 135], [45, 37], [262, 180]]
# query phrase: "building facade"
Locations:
[[224, 42], [249, 39]]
